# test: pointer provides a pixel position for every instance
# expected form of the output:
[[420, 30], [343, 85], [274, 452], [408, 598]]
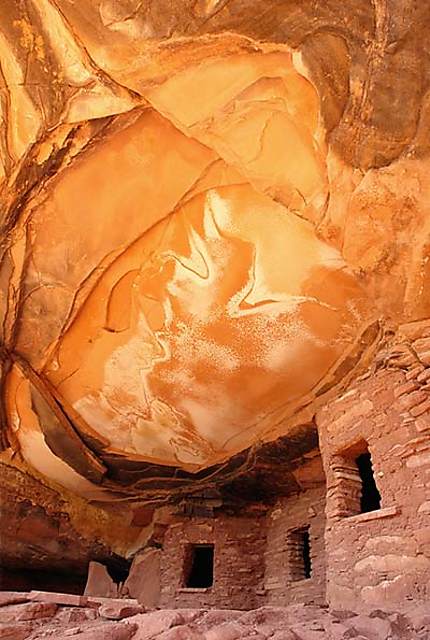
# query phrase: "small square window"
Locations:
[[199, 566]]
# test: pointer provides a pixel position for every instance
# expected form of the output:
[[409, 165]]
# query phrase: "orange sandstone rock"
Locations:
[[198, 240]]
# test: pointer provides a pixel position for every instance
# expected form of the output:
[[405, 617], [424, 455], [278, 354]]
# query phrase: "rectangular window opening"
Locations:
[[299, 551], [199, 566], [370, 499], [357, 491]]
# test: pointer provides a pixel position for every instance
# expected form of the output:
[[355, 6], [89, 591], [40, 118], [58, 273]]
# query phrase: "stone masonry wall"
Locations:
[[307, 508], [381, 558], [238, 562], [359, 560]]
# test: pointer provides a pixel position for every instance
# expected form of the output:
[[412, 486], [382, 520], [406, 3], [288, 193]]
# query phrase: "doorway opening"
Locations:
[[199, 566]]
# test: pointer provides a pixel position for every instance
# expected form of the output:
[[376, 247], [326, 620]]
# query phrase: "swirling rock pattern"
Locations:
[[210, 211]]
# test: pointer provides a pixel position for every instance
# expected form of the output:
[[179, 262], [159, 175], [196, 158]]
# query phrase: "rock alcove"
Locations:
[[214, 235]]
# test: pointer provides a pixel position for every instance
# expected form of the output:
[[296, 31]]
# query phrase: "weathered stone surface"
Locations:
[[15, 631], [152, 624], [27, 611], [117, 610], [387, 564], [282, 623], [372, 627], [73, 615], [181, 633], [99, 582], [226, 631], [66, 599], [46, 530], [106, 631], [309, 631], [12, 597], [143, 582], [99, 601]]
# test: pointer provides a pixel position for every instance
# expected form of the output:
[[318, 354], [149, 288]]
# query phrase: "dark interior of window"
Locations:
[[370, 496], [199, 573], [306, 552], [300, 554]]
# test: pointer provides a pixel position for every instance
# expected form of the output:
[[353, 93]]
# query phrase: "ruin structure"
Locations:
[[354, 533], [215, 303]]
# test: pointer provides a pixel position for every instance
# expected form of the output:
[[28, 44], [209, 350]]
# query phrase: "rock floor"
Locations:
[[40, 615]]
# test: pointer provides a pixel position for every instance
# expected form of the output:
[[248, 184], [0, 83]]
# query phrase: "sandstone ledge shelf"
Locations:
[[386, 512]]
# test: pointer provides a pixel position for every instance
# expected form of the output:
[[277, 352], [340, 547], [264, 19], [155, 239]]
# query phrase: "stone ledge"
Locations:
[[65, 599], [387, 512], [194, 590], [300, 583]]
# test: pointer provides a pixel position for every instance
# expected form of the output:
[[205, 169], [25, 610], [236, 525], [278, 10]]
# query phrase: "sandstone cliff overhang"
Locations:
[[213, 213]]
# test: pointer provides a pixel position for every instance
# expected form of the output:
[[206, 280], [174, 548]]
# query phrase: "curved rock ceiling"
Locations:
[[212, 211]]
